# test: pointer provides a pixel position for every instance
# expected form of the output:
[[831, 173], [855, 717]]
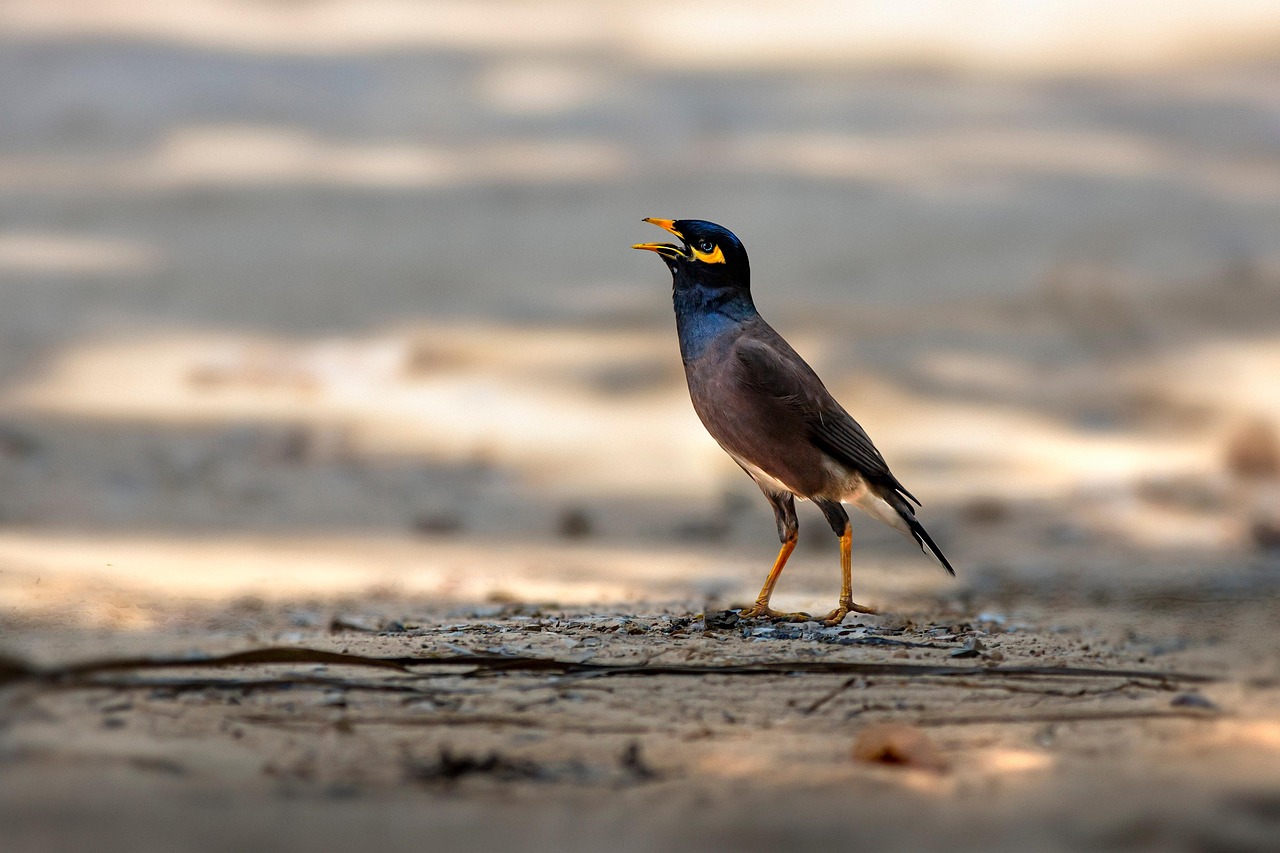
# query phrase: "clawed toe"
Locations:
[[835, 617], [756, 611]]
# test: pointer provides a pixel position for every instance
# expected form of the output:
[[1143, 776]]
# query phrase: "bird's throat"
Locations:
[[704, 315]]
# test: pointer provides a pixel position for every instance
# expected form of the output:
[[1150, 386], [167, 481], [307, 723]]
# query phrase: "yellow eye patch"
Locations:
[[715, 256]]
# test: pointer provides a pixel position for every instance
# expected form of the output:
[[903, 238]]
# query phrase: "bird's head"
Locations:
[[708, 254]]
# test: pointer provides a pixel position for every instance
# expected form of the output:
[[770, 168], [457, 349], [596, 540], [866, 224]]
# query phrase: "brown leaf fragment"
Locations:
[[898, 743], [1253, 451]]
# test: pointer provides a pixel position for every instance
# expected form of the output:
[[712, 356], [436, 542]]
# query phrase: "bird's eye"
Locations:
[[705, 246]]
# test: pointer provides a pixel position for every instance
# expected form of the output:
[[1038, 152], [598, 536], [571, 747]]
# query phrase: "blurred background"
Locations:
[[335, 297]]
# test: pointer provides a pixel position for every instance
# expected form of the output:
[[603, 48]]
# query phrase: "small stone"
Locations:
[[17, 443], [116, 707], [633, 763], [1193, 700], [574, 523], [1266, 533], [722, 620], [1192, 492], [971, 649], [437, 524], [703, 530], [985, 510]]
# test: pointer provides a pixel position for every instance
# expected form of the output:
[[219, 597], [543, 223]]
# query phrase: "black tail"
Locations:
[[922, 537], [927, 544]]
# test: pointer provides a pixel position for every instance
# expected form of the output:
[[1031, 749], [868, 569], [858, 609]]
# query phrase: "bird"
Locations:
[[767, 408]]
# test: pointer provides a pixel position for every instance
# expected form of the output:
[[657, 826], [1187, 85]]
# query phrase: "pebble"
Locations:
[[1193, 700]]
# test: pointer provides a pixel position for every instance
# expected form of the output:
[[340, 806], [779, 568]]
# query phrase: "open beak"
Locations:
[[670, 250]]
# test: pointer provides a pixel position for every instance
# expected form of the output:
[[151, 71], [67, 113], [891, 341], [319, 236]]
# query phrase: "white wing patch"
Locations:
[[876, 507], [856, 492]]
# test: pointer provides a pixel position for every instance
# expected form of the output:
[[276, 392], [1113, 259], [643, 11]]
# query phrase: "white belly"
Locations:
[[763, 478], [854, 491]]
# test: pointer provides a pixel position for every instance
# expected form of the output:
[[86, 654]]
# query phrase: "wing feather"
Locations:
[[772, 367]]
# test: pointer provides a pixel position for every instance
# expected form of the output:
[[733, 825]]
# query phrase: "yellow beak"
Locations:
[[665, 225], [662, 248]]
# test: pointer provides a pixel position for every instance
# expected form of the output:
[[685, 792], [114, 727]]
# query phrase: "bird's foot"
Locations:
[[759, 610], [835, 617]]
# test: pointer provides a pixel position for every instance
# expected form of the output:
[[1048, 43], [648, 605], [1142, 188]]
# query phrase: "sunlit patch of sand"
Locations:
[[958, 160], [949, 162], [42, 567], [123, 581], [507, 396], [1057, 34], [1011, 448], [237, 155], [324, 25], [1014, 761], [525, 399], [992, 34], [43, 253], [541, 88], [806, 761], [1263, 734], [528, 402], [1239, 377], [741, 762]]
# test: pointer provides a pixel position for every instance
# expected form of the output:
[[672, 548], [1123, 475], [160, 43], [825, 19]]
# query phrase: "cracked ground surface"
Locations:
[[559, 728]]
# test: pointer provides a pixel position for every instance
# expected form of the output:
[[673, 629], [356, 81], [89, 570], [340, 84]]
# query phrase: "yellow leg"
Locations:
[[835, 617], [761, 607]]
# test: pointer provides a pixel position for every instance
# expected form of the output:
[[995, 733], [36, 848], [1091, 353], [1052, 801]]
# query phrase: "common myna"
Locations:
[[769, 411]]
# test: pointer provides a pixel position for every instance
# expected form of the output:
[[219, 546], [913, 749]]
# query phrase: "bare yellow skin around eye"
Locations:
[[715, 256]]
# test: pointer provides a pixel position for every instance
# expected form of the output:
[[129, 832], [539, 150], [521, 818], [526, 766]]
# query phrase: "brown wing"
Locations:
[[772, 367]]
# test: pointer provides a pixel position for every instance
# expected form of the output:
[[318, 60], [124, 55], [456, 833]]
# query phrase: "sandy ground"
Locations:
[[321, 345], [1150, 721]]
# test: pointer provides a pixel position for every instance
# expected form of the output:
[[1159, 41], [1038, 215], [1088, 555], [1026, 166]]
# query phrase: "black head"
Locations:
[[708, 254]]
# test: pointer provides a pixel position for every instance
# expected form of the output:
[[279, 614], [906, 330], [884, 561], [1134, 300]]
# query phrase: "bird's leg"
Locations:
[[784, 511], [847, 604], [839, 520], [761, 607]]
